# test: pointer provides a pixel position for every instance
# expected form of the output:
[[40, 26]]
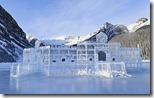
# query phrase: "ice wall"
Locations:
[[108, 69], [131, 57]]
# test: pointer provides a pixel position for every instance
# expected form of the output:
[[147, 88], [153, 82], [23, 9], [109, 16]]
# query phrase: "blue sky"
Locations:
[[54, 18]]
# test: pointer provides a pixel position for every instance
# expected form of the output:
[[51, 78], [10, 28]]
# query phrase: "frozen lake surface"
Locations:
[[138, 83]]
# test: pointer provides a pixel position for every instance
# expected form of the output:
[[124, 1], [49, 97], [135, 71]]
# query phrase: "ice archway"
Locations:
[[101, 56]]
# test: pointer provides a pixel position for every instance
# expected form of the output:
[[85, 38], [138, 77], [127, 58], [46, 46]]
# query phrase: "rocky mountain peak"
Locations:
[[107, 24], [112, 30]]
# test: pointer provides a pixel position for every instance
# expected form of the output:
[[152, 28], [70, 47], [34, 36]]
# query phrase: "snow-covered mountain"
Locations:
[[138, 24], [34, 41], [62, 40], [112, 30], [12, 38], [48, 42], [103, 34]]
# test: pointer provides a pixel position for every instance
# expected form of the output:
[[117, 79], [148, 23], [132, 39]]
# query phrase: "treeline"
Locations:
[[140, 38]]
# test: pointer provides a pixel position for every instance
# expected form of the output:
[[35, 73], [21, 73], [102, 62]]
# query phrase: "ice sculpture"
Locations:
[[86, 58]]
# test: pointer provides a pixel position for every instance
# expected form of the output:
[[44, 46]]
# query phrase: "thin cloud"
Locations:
[[75, 19]]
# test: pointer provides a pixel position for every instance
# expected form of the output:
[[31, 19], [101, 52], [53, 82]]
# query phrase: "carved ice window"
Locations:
[[63, 60]]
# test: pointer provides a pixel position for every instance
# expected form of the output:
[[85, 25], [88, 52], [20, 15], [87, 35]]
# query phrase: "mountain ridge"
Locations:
[[12, 38], [109, 29]]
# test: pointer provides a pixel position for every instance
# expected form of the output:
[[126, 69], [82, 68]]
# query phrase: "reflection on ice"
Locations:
[[61, 84], [34, 81], [40, 84], [37, 83]]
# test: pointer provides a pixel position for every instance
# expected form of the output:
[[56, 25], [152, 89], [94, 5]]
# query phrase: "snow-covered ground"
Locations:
[[138, 83]]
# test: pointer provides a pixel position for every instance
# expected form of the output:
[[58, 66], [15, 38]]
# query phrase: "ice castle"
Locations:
[[92, 56]]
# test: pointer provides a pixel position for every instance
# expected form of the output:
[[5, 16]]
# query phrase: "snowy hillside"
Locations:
[[12, 38], [140, 23]]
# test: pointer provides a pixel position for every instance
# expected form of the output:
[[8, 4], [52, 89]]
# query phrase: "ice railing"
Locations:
[[104, 69]]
